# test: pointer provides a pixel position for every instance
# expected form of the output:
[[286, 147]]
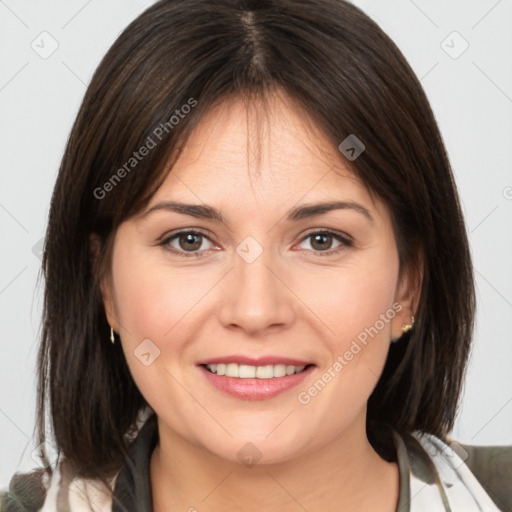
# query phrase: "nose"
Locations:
[[255, 296]]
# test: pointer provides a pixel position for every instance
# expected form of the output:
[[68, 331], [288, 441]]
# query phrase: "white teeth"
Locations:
[[231, 370], [279, 370], [264, 372], [244, 371]]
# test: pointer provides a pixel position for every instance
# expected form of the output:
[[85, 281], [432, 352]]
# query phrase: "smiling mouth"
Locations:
[[244, 371]]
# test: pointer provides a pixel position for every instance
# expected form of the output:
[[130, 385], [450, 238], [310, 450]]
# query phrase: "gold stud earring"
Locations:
[[112, 339], [408, 327]]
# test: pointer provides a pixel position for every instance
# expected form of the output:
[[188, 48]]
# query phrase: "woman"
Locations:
[[259, 290]]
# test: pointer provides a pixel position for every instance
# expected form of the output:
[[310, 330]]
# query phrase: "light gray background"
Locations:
[[471, 96]]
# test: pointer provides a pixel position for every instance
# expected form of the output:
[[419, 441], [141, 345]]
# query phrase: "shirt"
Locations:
[[433, 477]]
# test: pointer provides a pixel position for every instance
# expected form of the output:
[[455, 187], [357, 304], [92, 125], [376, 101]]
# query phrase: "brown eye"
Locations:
[[322, 242], [187, 242]]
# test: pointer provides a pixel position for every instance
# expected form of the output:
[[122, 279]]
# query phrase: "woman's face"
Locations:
[[257, 289]]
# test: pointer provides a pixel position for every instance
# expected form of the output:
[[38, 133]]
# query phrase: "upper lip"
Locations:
[[251, 361]]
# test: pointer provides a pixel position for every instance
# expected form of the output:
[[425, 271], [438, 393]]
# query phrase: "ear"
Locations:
[[106, 287], [408, 296]]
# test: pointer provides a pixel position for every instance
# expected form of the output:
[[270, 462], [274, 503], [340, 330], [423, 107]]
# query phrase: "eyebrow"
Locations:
[[203, 211]]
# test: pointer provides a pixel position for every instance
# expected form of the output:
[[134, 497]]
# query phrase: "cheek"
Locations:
[[143, 300], [358, 308], [152, 304], [351, 299], [148, 305], [152, 298], [158, 302]]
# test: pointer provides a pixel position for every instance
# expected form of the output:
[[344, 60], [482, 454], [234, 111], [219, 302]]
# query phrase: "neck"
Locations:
[[346, 472]]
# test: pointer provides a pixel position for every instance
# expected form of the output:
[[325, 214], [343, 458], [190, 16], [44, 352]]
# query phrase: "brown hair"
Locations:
[[348, 75]]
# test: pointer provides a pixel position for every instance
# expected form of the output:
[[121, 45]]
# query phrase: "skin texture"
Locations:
[[291, 301]]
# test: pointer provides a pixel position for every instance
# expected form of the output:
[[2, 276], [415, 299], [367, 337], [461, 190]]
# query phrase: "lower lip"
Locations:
[[255, 389]]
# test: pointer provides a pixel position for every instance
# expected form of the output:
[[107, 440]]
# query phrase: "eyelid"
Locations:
[[179, 231], [319, 231]]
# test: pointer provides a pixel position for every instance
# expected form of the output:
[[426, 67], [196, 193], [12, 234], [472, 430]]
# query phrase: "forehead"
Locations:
[[269, 150]]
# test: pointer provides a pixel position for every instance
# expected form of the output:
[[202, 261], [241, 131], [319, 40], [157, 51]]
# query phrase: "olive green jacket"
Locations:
[[434, 477]]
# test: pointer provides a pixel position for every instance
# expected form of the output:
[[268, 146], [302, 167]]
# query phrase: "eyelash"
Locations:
[[346, 242]]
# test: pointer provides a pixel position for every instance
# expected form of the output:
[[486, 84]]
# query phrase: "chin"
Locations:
[[256, 450]]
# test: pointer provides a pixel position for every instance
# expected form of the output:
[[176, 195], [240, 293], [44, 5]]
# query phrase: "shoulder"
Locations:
[[61, 489], [492, 466], [26, 493], [475, 466]]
